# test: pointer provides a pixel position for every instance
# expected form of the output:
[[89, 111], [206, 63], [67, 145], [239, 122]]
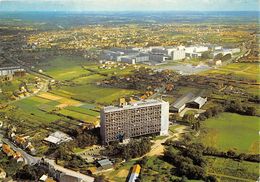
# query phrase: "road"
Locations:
[[45, 78], [69, 172], [28, 159]]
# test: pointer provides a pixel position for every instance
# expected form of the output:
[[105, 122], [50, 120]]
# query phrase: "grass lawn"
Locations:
[[232, 131], [174, 127]]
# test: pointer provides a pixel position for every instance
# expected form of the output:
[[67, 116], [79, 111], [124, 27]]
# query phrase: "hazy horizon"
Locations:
[[125, 5]]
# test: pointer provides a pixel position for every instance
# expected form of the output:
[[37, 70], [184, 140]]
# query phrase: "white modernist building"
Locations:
[[135, 119], [174, 53]]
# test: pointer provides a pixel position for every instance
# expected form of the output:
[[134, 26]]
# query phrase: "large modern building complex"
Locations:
[[122, 122]]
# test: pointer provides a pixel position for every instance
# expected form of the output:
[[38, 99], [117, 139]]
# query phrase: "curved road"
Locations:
[[28, 159]]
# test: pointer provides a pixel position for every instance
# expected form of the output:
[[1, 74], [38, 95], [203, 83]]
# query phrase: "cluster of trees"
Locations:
[[211, 112], [135, 148], [211, 151], [9, 164], [85, 138], [31, 173], [195, 122], [64, 152], [236, 106], [188, 161]]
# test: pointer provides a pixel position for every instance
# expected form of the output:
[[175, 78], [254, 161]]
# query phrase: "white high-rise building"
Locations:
[[135, 119]]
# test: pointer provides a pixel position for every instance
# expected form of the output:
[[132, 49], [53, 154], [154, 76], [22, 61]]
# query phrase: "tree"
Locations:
[[189, 118], [231, 153], [211, 179], [251, 111]]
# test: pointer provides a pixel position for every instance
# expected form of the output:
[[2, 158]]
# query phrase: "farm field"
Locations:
[[240, 70], [28, 108], [64, 68], [94, 94], [38, 107], [231, 170], [232, 131], [76, 68]]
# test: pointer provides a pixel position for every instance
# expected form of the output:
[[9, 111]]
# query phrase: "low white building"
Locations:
[[57, 138]]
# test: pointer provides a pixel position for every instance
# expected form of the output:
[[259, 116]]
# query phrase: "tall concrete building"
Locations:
[[136, 119]]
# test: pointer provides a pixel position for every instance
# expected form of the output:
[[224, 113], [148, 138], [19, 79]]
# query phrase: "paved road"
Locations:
[[28, 159], [84, 177]]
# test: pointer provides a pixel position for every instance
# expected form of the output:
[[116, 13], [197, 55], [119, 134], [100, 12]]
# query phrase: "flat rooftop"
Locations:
[[137, 104]]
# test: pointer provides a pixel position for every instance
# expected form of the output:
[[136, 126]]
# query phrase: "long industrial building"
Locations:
[[119, 123]]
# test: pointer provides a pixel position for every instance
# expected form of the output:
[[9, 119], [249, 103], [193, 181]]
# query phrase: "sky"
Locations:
[[129, 5]]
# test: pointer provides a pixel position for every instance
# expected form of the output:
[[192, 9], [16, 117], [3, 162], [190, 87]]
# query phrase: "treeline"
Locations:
[[233, 106], [135, 148], [236, 106], [211, 151], [254, 98]]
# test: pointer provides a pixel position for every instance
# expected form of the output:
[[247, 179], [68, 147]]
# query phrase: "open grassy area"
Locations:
[[94, 94], [28, 108], [64, 68], [231, 170], [232, 131], [239, 70]]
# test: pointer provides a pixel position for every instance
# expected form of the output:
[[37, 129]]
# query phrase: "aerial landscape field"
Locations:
[[129, 91]]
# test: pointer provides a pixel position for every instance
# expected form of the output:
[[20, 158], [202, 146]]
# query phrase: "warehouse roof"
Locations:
[[183, 100], [199, 100]]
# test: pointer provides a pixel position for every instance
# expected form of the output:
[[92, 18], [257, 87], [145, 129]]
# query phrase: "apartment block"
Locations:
[[125, 121]]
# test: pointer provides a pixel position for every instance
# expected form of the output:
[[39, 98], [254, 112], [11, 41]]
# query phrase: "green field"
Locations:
[[28, 108], [94, 94], [240, 70], [232, 131], [231, 170], [83, 110], [77, 115], [64, 68]]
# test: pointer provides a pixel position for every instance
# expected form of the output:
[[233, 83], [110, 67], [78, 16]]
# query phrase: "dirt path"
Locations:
[[158, 149]]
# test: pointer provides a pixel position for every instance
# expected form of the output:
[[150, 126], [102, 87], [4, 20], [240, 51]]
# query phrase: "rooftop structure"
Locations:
[[136, 119], [4, 71], [57, 138], [197, 102], [180, 103], [189, 100]]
